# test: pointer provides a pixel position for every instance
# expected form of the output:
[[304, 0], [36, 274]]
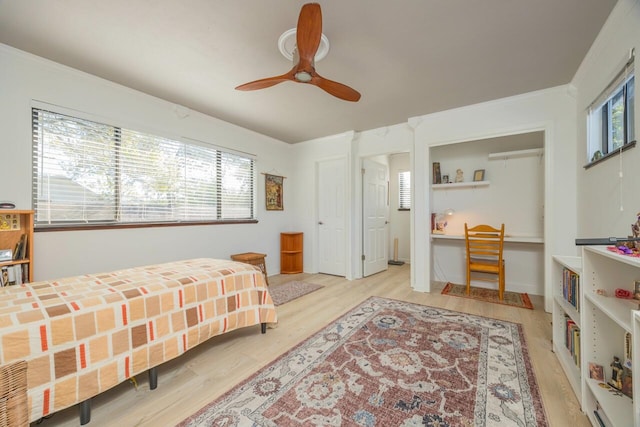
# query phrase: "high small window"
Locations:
[[88, 174], [404, 185], [611, 117]]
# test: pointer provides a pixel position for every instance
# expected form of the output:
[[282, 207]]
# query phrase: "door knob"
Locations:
[[320, 222]]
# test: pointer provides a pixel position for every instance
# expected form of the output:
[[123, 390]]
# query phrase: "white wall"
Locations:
[[25, 78], [514, 196], [608, 204]]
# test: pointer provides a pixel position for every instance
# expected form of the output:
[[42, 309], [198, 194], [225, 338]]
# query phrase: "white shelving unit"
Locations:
[[562, 310], [604, 323], [453, 185], [606, 320], [636, 361]]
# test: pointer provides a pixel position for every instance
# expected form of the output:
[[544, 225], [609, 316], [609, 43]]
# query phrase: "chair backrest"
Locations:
[[484, 241]]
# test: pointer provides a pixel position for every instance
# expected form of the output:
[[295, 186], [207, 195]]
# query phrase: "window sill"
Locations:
[[114, 226], [611, 154]]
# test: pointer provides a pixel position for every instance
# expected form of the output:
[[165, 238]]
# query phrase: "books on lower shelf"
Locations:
[[602, 419], [20, 252], [571, 287], [572, 339], [11, 275]]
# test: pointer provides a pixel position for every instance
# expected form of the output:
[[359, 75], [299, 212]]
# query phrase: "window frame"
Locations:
[[248, 170], [404, 192], [600, 118]]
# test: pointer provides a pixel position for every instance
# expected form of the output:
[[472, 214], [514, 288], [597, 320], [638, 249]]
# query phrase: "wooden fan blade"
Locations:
[[336, 89], [265, 83], [308, 33]]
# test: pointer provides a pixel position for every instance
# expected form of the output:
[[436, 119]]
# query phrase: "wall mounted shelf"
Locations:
[[460, 185]]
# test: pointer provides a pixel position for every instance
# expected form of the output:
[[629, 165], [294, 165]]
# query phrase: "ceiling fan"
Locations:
[[308, 35]]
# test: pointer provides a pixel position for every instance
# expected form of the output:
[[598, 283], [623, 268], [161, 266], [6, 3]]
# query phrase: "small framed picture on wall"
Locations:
[[478, 175], [437, 178]]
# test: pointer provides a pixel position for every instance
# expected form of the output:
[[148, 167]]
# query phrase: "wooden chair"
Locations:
[[484, 255]]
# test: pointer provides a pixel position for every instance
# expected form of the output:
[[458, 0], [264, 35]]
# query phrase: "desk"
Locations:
[[507, 238], [523, 255]]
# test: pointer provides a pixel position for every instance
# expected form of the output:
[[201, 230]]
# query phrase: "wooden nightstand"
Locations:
[[253, 258]]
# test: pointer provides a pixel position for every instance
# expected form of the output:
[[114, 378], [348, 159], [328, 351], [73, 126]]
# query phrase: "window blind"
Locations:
[[621, 78], [404, 183], [86, 173]]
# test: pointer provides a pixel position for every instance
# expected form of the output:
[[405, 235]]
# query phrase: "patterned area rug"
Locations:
[[489, 295], [290, 291], [391, 363]]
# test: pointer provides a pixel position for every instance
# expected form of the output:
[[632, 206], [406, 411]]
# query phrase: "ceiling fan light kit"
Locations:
[[309, 47]]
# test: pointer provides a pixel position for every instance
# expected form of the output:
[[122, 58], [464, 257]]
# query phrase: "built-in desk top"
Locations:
[[507, 238]]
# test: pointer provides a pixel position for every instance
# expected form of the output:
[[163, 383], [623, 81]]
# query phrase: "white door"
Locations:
[[376, 213], [331, 217]]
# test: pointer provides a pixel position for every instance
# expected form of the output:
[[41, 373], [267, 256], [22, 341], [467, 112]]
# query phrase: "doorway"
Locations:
[[375, 212]]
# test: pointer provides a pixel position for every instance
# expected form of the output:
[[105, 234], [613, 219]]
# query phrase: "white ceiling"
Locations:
[[407, 58]]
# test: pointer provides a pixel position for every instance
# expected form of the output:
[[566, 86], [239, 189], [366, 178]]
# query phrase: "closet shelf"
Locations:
[[460, 185], [518, 153]]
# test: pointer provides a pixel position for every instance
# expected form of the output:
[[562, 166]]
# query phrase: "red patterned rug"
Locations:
[[391, 363], [488, 295], [290, 291]]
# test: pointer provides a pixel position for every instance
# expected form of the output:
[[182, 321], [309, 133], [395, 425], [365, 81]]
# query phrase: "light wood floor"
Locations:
[[205, 372]]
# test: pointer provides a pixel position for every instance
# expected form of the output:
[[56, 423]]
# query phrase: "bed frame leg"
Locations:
[[153, 378], [85, 411], [263, 328]]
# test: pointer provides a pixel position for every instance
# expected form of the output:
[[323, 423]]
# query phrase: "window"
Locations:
[[611, 117], [89, 174], [404, 184]]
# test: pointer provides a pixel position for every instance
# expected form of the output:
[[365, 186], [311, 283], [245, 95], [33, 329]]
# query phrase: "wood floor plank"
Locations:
[[207, 371]]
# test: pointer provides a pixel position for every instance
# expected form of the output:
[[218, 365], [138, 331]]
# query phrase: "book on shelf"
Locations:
[[20, 250], [601, 418], [572, 339], [11, 275], [571, 287]]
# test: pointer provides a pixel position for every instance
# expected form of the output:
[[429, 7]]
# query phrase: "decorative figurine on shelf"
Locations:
[[616, 373], [459, 176], [635, 230]]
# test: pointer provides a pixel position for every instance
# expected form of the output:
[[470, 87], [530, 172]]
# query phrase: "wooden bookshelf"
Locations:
[[291, 254], [17, 225]]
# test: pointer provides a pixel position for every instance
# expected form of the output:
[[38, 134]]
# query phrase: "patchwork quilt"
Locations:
[[83, 335]]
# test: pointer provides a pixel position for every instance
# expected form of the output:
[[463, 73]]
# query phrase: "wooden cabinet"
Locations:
[[16, 234], [291, 254]]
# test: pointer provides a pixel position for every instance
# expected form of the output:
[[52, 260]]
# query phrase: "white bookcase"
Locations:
[[563, 310], [604, 321]]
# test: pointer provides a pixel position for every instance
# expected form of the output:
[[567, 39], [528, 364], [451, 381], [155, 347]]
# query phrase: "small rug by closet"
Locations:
[[488, 295], [391, 363], [291, 290]]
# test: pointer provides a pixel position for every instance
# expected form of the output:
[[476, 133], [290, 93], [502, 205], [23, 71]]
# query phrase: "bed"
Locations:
[[85, 334]]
